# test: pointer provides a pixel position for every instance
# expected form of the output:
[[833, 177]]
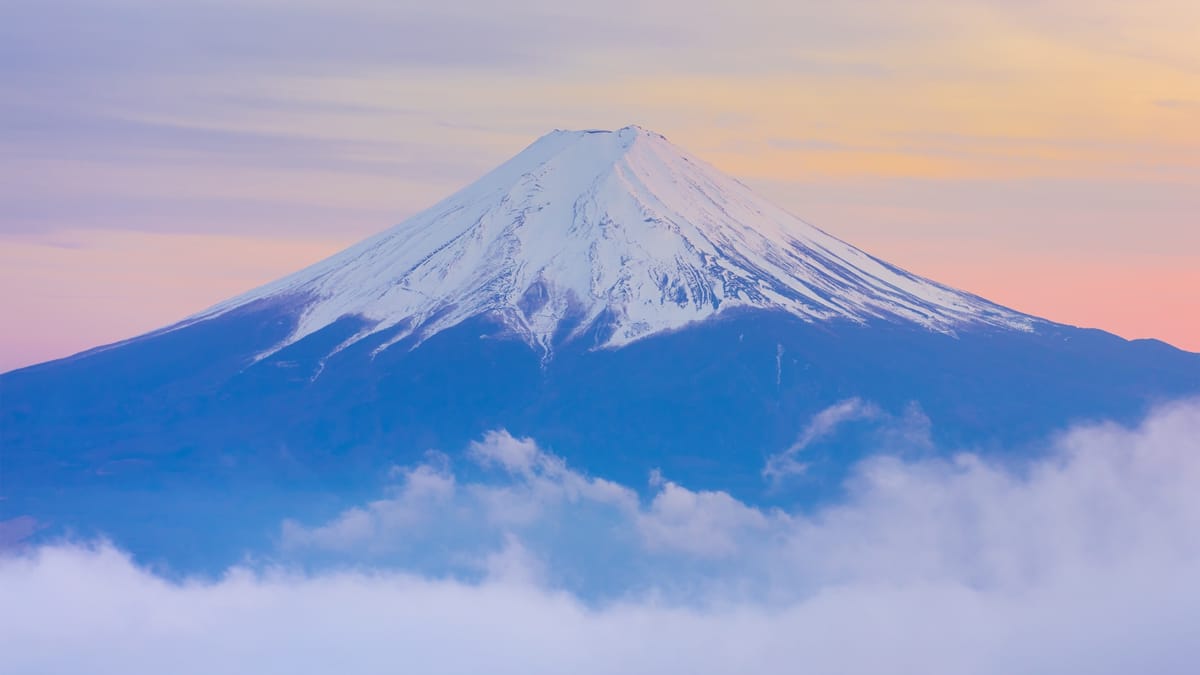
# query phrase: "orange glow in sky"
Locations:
[[1044, 155]]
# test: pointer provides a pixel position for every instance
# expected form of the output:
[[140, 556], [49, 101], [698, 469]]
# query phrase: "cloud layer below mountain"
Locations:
[[1083, 560]]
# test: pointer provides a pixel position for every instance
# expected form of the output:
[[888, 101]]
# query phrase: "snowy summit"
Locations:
[[619, 229]]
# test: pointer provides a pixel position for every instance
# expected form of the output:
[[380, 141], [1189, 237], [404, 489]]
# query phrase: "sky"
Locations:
[[157, 158]]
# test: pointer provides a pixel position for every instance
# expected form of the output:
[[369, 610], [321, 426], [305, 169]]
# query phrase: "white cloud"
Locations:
[[1082, 561], [423, 491], [516, 455], [823, 424], [705, 523], [542, 478], [462, 522]]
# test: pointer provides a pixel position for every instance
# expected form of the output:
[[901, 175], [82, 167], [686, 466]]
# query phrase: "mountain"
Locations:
[[606, 293], [619, 228]]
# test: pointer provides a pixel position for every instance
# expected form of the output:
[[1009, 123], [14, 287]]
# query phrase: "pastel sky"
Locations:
[[157, 157]]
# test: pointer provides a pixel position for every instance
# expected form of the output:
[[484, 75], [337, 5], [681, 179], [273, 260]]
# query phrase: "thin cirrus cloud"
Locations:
[[822, 424], [1081, 561]]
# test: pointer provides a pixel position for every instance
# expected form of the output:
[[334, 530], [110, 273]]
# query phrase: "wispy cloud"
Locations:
[[822, 424], [1178, 104]]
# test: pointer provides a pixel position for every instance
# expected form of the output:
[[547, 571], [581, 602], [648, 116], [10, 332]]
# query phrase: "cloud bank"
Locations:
[[1084, 560]]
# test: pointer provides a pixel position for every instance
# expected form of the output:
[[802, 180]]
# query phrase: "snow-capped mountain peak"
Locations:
[[614, 228]]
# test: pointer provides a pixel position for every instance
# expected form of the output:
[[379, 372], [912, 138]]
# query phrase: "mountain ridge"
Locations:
[[611, 227]]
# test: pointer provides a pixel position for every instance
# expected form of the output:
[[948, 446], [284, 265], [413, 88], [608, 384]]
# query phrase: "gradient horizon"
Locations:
[[158, 159]]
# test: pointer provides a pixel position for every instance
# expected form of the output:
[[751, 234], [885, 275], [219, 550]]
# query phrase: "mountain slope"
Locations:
[[622, 227]]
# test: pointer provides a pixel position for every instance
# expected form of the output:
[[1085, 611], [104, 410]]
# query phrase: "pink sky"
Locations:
[[119, 284], [160, 157]]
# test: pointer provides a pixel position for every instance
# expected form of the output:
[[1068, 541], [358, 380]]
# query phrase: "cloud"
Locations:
[[822, 425], [516, 455], [1080, 560], [905, 519], [456, 525], [544, 477], [422, 490], [1178, 104], [704, 523], [535, 493]]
